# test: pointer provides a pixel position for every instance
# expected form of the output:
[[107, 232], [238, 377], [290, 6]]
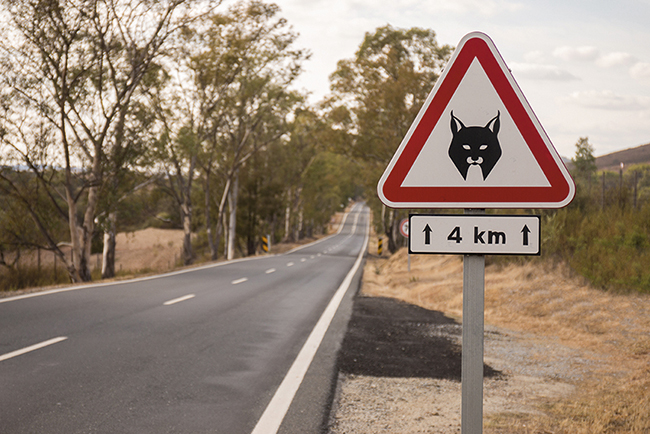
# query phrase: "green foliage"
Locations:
[[30, 276], [329, 183], [604, 234], [584, 160], [609, 247], [376, 96]]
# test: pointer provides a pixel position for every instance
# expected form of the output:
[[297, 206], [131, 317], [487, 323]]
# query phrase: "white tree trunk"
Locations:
[[232, 223], [287, 223], [108, 254]]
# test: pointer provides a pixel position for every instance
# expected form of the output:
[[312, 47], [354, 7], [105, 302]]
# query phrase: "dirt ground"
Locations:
[[560, 356]]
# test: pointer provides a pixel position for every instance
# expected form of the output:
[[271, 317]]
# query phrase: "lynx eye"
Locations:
[[483, 147], [466, 147]]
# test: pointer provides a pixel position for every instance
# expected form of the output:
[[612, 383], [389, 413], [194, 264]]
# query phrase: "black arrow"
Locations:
[[427, 234], [525, 231]]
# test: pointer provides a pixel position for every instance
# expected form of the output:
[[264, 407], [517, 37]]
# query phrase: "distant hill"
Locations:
[[638, 155]]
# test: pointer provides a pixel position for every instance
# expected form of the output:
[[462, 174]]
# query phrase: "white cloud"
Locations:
[[640, 70], [608, 100], [618, 58], [586, 53], [542, 72], [535, 57], [482, 7]]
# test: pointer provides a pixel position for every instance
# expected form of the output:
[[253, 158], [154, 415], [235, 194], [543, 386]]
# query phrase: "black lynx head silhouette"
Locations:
[[475, 145]]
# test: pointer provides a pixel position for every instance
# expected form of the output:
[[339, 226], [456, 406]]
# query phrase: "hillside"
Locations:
[[638, 155]]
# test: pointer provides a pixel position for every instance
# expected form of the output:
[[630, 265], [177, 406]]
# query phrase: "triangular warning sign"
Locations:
[[476, 143]]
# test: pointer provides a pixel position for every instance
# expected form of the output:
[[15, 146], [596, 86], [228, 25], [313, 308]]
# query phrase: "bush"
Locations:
[[610, 246]]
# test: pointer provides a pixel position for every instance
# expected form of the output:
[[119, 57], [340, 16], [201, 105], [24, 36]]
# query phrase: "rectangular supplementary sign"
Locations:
[[474, 234]]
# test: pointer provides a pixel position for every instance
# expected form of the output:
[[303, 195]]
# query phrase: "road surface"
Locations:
[[199, 351]]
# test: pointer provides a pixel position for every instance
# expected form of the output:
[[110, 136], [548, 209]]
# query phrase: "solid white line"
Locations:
[[272, 417], [179, 299], [31, 348], [238, 281], [270, 270]]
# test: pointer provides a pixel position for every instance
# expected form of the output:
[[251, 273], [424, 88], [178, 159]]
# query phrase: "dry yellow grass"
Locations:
[[547, 302]]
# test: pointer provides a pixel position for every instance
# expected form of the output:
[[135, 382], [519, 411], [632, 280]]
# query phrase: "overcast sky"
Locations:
[[583, 65]]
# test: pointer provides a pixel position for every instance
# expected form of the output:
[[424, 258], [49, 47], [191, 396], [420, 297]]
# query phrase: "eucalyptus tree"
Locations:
[[70, 71], [231, 97], [376, 96]]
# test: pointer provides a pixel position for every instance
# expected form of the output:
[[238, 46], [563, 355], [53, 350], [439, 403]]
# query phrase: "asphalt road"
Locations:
[[200, 351]]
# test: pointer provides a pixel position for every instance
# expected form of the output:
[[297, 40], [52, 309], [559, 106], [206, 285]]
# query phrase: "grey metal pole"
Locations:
[[473, 327]]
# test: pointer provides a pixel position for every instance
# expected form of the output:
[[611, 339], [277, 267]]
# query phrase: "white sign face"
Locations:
[[475, 103], [474, 234]]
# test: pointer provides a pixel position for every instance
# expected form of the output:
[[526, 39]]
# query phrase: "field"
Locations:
[[137, 253]]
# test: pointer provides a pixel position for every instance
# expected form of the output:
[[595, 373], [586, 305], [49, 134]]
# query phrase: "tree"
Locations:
[[375, 97], [236, 99], [584, 159], [70, 73]]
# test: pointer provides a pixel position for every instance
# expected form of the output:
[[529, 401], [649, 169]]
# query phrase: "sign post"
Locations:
[[475, 144], [473, 328]]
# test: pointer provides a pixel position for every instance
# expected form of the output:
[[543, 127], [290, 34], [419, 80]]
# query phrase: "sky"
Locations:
[[583, 65]]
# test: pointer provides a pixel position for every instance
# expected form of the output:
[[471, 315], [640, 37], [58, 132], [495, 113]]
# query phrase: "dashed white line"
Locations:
[[238, 281], [32, 348], [303, 259], [270, 270], [179, 299], [289, 264]]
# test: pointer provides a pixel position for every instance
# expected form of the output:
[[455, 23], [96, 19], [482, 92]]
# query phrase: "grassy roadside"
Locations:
[[140, 253], [549, 303]]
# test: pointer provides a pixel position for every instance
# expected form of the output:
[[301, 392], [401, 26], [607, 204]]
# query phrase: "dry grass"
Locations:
[[547, 302], [138, 253]]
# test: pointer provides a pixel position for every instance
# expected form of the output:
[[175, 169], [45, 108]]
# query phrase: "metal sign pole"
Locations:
[[473, 327]]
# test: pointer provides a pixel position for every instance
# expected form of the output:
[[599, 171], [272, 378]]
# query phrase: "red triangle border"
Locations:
[[558, 194]]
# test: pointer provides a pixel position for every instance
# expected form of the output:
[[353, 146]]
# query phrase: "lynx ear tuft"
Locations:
[[454, 125], [496, 124]]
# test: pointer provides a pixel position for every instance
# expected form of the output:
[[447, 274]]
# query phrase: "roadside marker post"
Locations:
[[476, 144]]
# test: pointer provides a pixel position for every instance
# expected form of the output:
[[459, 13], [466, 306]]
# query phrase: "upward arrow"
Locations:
[[525, 231], [427, 234]]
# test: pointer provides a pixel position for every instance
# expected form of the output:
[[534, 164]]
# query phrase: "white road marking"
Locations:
[[32, 348], [178, 300], [238, 281], [272, 417], [270, 270], [303, 259], [289, 264]]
